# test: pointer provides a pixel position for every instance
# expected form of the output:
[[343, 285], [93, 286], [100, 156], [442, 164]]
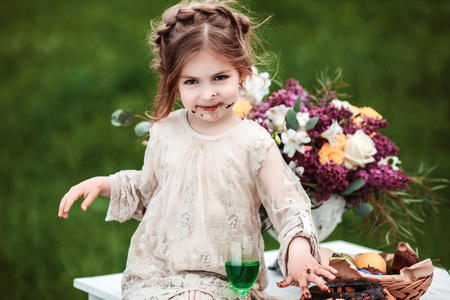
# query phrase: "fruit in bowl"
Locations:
[[409, 277], [371, 260], [346, 256]]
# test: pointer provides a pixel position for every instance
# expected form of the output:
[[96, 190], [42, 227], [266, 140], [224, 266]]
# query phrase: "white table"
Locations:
[[107, 287]]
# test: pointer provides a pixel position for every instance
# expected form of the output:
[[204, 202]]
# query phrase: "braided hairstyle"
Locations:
[[186, 29]]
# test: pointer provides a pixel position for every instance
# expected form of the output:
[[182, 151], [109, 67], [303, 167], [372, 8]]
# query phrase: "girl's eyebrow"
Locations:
[[193, 77]]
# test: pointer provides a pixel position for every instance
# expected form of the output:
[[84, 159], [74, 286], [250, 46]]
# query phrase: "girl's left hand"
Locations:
[[303, 268]]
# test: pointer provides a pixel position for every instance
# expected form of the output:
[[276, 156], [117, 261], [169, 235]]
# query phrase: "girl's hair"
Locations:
[[185, 30]]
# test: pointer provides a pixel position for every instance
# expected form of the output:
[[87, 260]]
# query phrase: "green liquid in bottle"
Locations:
[[242, 277]]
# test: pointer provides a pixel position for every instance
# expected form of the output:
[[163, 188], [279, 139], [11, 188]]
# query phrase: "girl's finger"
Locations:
[[303, 284], [286, 282], [62, 205], [318, 281], [330, 269], [88, 201], [325, 273], [69, 199]]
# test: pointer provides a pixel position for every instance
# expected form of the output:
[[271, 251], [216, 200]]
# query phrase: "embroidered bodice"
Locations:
[[193, 194]]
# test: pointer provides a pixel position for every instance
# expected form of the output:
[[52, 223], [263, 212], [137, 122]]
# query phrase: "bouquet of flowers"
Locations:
[[334, 148], [337, 148]]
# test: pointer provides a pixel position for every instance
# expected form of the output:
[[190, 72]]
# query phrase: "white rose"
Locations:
[[276, 118], [359, 150], [302, 118], [332, 132], [344, 104], [256, 86]]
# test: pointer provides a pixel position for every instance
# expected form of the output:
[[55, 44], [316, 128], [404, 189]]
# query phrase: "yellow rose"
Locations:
[[367, 112], [328, 153], [340, 141], [242, 108]]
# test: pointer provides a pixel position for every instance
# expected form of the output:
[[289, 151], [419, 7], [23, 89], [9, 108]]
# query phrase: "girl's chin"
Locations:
[[208, 115]]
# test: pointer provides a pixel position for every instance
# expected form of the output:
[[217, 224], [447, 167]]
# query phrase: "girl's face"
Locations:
[[208, 88]]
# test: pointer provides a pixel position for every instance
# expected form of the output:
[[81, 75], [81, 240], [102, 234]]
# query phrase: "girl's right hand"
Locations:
[[89, 190]]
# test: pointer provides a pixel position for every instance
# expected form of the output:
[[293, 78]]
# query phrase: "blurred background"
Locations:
[[65, 66]]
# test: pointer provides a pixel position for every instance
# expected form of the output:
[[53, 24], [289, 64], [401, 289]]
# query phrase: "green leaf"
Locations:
[[291, 120], [316, 206], [363, 210], [311, 123], [298, 104], [416, 217], [387, 236], [344, 120], [142, 128], [409, 201], [115, 117], [354, 186], [277, 82], [441, 180], [428, 172], [122, 117], [406, 232], [439, 187]]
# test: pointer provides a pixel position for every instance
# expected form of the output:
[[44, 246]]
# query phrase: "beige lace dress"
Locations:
[[193, 194]]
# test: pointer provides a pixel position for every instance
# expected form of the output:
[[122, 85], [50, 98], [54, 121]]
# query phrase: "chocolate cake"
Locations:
[[403, 257], [351, 290], [373, 271]]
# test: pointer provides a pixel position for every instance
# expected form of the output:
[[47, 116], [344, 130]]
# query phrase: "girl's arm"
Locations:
[[131, 191], [289, 209], [89, 190]]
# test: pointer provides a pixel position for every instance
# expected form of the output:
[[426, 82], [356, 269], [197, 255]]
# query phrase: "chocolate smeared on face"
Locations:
[[228, 106]]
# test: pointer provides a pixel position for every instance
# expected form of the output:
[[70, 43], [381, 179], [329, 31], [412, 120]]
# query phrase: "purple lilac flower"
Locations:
[[385, 147], [368, 125], [384, 177], [293, 86], [372, 125], [378, 177], [327, 98], [309, 160], [326, 117], [283, 96], [331, 178], [258, 112]]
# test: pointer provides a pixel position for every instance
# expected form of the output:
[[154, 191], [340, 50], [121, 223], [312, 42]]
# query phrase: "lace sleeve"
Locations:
[[132, 190], [286, 203]]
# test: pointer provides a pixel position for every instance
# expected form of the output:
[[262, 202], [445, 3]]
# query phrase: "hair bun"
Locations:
[[244, 23]]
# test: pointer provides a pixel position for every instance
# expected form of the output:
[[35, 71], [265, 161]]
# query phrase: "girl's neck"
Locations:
[[213, 128]]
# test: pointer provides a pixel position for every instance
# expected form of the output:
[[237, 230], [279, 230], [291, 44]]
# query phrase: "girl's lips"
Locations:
[[211, 108]]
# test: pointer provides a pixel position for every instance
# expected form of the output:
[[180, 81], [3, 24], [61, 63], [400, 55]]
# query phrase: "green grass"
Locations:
[[65, 66]]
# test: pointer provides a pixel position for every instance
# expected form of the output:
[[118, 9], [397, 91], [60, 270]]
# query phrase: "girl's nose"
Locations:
[[209, 94]]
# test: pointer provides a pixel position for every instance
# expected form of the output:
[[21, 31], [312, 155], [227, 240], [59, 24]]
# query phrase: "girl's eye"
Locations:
[[220, 77], [190, 82]]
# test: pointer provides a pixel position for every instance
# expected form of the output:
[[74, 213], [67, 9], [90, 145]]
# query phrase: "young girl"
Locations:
[[206, 172]]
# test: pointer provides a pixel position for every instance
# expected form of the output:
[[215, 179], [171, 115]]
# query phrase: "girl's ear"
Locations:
[[241, 78]]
